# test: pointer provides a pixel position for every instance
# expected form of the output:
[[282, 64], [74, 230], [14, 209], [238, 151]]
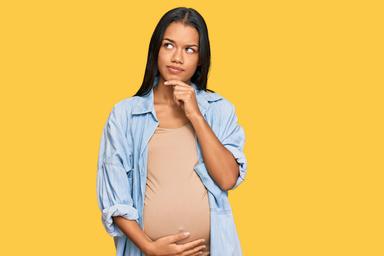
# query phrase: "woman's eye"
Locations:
[[189, 48]]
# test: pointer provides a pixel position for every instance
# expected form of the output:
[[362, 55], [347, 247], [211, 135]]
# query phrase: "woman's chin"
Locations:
[[173, 77]]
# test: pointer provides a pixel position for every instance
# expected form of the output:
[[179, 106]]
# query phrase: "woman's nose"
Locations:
[[177, 56]]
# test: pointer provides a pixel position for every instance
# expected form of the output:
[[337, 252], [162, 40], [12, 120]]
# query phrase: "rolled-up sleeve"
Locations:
[[234, 139], [112, 186]]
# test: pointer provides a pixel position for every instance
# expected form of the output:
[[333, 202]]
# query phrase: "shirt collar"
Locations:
[[145, 103]]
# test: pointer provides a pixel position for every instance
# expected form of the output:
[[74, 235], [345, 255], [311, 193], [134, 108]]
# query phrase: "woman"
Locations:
[[169, 154]]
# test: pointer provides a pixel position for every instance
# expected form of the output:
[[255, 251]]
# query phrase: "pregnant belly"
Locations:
[[167, 213]]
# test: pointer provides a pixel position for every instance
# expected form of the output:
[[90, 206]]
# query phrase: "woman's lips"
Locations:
[[174, 71]]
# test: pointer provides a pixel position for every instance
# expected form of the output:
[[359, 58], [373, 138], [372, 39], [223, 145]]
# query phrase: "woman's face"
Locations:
[[179, 48]]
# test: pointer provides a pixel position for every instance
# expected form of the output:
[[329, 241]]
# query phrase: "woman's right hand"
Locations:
[[166, 246]]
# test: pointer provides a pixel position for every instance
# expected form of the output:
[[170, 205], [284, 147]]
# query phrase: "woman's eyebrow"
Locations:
[[174, 42]]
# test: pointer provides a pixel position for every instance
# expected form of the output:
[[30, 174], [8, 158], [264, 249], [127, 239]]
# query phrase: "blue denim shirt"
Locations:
[[122, 167]]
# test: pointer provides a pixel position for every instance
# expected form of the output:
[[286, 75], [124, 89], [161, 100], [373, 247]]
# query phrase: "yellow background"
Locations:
[[306, 78]]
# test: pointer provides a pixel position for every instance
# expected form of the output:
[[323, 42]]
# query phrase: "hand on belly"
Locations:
[[169, 245]]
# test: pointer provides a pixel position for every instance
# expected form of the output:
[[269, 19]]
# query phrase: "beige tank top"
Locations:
[[175, 199]]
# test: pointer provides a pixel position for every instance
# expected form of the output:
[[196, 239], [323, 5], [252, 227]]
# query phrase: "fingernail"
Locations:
[[166, 82], [186, 233]]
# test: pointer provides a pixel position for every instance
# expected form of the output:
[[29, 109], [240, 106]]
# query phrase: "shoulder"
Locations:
[[218, 103], [126, 103], [121, 110], [124, 106]]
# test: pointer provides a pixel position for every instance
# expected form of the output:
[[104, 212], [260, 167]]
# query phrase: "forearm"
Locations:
[[134, 232], [220, 163]]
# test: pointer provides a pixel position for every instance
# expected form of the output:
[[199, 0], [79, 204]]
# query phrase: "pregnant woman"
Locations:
[[169, 154]]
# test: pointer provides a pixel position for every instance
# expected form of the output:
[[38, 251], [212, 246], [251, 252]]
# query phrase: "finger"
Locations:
[[195, 254], [189, 92], [190, 245], [199, 254], [180, 98], [178, 237], [176, 100], [197, 250], [176, 82], [181, 95], [178, 87]]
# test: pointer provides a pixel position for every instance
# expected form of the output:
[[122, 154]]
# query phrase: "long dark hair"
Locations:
[[188, 16]]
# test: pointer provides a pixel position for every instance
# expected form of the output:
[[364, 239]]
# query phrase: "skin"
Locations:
[[175, 105]]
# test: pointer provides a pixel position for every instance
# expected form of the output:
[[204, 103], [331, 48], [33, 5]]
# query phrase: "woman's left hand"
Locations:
[[185, 97]]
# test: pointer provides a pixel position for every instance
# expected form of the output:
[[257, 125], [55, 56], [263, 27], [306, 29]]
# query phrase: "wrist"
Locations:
[[195, 117], [148, 248]]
